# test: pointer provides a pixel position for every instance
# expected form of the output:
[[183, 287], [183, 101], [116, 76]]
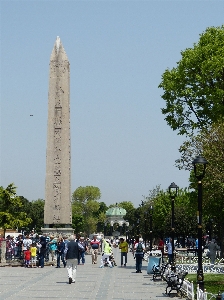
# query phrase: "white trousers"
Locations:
[[108, 260], [72, 268]]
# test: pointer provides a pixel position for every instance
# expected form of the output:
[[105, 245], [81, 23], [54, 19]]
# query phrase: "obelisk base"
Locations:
[[57, 231]]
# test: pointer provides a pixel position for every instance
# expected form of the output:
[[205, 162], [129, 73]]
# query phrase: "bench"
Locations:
[[159, 271], [175, 281]]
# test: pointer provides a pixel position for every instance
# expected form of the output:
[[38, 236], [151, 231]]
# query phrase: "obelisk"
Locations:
[[57, 209]]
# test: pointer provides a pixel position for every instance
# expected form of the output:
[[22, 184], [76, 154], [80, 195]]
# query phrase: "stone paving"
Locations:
[[118, 283]]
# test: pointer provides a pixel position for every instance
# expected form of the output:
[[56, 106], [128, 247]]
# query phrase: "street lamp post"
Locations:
[[133, 230], [173, 190], [138, 226], [150, 224], [127, 230], [141, 205], [199, 174], [210, 229], [146, 217]]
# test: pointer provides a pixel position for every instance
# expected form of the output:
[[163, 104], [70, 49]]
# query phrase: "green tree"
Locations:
[[87, 193], [37, 215], [184, 212], [185, 216], [210, 144], [160, 201], [194, 96], [85, 205], [11, 213], [101, 216], [35, 210], [194, 90], [127, 205]]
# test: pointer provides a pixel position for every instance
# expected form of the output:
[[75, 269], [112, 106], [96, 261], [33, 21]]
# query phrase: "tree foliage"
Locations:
[[11, 209], [210, 144], [194, 98], [85, 206], [37, 215], [184, 212], [87, 193], [101, 216], [194, 90]]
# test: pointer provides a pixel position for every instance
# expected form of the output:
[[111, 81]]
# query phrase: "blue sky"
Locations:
[[118, 51]]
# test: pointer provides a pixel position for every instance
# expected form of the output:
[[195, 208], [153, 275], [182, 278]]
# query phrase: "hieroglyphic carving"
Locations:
[[57, 194], [58, 118], [58, 174], [57, 199], [57, 162]]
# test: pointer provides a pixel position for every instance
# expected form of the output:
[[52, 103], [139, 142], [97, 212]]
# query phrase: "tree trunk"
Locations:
[[222, 239]]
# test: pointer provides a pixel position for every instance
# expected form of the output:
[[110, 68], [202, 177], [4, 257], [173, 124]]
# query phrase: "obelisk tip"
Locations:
[[58, 41]]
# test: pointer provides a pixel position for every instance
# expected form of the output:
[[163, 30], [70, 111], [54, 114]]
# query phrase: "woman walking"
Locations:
[[60, 252]]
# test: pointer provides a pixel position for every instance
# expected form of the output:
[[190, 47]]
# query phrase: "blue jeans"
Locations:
[[60, 255], [138, 259], [170, 257], [123, 254], [82, 256], [41, 260]]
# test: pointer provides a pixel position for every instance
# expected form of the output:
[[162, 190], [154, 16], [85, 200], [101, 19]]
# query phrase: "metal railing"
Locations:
[[188, 289], [10, 254]]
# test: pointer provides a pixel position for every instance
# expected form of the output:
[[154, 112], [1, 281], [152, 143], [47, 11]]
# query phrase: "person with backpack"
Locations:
[[139, 254]]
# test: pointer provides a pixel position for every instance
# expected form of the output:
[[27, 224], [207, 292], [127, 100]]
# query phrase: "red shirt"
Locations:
[[27, 254], [161, 246], [95, 244]]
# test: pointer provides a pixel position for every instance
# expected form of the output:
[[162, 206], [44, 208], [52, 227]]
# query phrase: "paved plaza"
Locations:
[[91, 283]]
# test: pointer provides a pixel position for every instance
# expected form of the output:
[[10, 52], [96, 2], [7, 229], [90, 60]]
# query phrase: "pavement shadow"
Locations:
[[63, 282]]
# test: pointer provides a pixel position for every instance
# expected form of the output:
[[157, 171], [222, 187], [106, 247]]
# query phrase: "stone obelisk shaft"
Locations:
[[57, 208]]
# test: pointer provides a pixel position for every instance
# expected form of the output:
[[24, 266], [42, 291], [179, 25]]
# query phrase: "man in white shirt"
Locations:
[[27, 242]]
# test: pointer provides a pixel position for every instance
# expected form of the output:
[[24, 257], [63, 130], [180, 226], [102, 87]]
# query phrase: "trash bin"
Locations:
[[152, 261]]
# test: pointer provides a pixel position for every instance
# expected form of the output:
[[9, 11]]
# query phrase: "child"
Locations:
[[112, 259], [27, 255], [33, 250]]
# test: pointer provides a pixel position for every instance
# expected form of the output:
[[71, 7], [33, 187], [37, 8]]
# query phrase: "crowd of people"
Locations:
[[35, 251]]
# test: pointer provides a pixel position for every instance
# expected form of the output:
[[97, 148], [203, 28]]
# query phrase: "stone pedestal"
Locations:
[[58, 231]]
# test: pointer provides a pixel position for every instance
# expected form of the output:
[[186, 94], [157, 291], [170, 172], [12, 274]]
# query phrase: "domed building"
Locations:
[[115, 218]]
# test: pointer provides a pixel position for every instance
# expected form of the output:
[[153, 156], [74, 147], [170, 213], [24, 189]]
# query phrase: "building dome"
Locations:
[[116, 212]]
